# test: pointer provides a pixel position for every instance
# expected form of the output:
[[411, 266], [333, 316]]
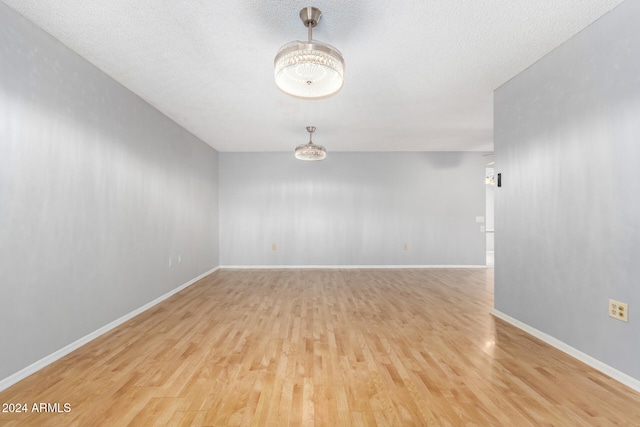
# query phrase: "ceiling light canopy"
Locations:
[[310, 151], [310, 69]]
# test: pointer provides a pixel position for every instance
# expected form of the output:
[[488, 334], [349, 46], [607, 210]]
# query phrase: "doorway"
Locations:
[[489, 230]]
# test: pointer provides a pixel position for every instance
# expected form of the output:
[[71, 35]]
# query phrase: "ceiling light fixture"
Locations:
[[310, 151], [310, 69]]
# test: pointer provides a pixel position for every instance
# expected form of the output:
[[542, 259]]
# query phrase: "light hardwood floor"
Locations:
[[326, 348]]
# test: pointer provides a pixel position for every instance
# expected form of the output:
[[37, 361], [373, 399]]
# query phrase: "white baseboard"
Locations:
[[34, 367], [594, 363], [321, 267]]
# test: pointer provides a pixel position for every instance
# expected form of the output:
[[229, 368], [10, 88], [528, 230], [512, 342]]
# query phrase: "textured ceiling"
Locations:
[[419, 74]]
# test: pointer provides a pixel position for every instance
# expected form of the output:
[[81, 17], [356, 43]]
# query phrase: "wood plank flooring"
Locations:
[[326, 348]]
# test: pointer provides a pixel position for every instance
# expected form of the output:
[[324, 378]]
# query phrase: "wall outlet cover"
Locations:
[[619, 310]]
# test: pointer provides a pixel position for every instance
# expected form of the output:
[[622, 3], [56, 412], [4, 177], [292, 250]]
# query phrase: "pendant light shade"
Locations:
[[310, 69], [310, 151]]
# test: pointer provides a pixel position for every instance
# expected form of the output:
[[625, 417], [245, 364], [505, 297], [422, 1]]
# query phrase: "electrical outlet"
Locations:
[[619, 310], [274, 247]]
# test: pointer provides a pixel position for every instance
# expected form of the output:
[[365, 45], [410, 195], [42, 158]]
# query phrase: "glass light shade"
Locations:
[[309, 69], [310, 152]]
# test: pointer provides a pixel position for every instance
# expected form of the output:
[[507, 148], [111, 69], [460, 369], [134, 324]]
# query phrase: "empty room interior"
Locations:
[[232, 213]]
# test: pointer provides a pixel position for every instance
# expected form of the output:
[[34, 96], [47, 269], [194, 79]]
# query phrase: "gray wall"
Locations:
[[567, 142], [97, 191], [352, 209]]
